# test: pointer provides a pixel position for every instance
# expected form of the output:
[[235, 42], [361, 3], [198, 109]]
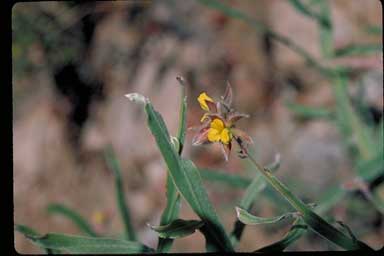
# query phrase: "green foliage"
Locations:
[[353, 49], [188, 181], [297, 230], [313, 220], [82, 244], [172, 208], [249, 219], [76, 218], [178, 228], [120, 196]]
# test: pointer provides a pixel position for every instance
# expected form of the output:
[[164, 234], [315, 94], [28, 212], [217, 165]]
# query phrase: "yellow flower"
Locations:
[[202, 99], [218, 132]]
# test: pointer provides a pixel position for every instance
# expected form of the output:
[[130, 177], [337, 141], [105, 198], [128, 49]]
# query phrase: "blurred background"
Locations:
[[73, 63]]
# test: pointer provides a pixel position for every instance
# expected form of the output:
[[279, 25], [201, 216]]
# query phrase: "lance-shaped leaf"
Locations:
[[82, 244], [187, 179], [249, 219], [172, 208], [27, 231], [177, 228], [76, 218]]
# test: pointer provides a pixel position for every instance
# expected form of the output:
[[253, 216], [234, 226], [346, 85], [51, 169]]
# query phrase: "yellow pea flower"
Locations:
[[219, 124], [202, 99], [218, 132]]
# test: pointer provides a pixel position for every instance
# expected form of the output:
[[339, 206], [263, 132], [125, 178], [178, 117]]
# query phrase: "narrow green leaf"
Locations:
[[297, 230], [172, 208], [249, 219], [325, 27], [27, 231], [187, 179], [304, 9], [170, 213], [362, 49], [114, 165], [76, 218], [313, 220], [306, 112], [178, 228], [349, 123], [82, 244]]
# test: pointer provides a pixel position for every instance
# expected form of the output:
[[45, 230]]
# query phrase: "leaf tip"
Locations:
[[137, 98]]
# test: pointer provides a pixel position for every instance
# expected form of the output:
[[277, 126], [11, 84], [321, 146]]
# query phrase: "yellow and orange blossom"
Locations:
[[218, 132]]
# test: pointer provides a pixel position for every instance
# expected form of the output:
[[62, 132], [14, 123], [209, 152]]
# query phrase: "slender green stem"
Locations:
[[348, 119], [114, 165]]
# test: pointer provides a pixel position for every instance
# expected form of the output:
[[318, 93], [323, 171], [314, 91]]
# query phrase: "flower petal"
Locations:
[[201, 137], [217, 124], [204, 100], [213, 135], [225, 136]]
